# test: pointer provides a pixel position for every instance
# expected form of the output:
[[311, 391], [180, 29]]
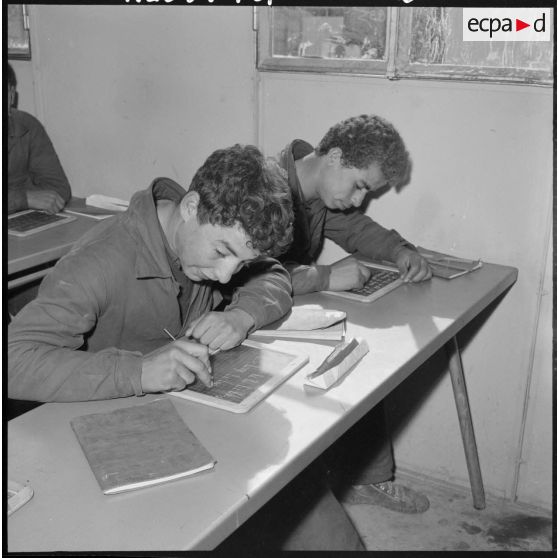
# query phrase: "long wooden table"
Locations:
[[257, 453]]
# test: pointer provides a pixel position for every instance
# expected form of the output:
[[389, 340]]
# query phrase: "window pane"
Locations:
[[18, 35], [350, 33], [437, 39]]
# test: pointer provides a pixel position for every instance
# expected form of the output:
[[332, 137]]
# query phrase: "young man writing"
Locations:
[[97, 328], [359, 155]]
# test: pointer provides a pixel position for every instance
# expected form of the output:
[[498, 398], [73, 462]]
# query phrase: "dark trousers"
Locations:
[[364, 454], [306, 515]]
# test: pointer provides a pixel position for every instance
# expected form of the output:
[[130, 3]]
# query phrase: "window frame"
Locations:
[[265, 60], [19, 48], [396, 64], [404, 68]]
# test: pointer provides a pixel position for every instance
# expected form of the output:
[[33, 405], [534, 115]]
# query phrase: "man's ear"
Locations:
[[189, 206], [334, 156]]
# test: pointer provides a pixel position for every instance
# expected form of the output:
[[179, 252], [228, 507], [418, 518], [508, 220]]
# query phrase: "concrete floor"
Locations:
[[452, 523]]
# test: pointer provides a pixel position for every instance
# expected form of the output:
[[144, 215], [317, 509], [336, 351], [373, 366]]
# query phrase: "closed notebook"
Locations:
[[140, 446]]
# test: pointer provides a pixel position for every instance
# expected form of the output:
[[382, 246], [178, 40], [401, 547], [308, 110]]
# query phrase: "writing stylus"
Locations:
[[334, 358], [211, 351]]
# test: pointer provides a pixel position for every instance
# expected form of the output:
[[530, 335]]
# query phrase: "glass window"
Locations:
[[433, 39], [394, 42], [18, 32], [341, 38], [355, 33]]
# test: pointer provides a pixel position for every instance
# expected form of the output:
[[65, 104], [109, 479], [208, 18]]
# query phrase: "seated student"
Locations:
[[97, 328], [356, 156], [36, 179]]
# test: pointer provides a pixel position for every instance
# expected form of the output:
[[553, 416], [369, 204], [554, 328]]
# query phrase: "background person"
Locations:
[[36, 179], [359, 155]]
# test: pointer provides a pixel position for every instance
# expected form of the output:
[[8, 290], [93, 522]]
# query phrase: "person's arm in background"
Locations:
[[260, 294], [308, 278], [43, 184], [350, 231], [359, 234]]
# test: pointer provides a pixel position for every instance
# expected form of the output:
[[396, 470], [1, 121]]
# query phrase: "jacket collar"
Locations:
[[143, 224], [302, 241], [297, 149]]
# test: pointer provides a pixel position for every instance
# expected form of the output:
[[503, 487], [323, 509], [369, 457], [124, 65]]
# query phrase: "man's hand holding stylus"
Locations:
[[175, 366]]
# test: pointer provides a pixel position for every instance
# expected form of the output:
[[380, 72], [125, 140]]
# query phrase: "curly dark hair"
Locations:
[[237, 185], [368, 139]]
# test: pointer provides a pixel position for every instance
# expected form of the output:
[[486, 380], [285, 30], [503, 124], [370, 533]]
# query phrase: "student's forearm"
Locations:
[[17, 195], [41, 372], [309, 278], [359, 235], [54, 184], [46, 360], [265, 295], [18, 199]]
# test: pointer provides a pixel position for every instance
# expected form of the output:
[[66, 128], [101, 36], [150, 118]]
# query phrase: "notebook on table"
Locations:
[[139, 446], [244, 376], [31, 221], [383, 279]]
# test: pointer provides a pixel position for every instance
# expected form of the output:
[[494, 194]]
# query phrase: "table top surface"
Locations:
[[257, 453], [27, 252]]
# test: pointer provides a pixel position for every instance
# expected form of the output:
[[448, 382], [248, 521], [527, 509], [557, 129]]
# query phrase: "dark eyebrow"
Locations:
[[226, 244]]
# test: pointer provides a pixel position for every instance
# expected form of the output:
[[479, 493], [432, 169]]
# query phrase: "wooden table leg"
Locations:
[[465, 423]]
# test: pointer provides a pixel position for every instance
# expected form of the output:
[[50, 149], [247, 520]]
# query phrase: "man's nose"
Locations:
[[225, 271], [357, 198]]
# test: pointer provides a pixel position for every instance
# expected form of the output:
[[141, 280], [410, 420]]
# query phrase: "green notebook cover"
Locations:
[[140, 446]]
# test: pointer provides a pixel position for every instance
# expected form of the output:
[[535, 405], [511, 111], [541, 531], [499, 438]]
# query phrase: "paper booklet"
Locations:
[[107, 202], [78, 206], [18, 494], [140, 446], [448, 266], [307, 322], [342, 359]]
